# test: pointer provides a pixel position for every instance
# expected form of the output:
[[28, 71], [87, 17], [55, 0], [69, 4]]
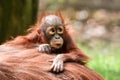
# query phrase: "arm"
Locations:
[[73, 54]]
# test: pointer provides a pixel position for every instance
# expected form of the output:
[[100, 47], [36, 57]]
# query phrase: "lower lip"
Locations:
[[58, 45]]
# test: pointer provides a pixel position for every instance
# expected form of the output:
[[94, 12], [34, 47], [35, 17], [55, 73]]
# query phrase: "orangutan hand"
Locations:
[[45, 48]]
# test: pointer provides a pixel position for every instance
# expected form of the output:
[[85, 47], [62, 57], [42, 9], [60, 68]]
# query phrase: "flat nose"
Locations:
[[57, 37]]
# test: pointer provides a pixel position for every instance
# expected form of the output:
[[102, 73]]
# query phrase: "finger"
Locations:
[[61, 67], [39, 49], [55, 67], [48, 50], [52, 65], [58, 67], [45, 49]]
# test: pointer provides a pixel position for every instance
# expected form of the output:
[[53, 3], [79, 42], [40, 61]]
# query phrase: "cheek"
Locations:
[[56, 43]]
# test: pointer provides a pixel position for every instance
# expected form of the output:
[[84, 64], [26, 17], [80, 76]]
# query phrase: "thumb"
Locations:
[[50, 60]]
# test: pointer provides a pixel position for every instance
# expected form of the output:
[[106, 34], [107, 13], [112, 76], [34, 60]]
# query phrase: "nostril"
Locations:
[[57, 37]]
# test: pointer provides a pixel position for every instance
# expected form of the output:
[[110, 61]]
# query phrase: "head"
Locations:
[[52, 29]]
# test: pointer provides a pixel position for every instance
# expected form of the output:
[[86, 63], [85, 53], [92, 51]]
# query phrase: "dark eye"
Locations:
[[60, 30], [50, 30]]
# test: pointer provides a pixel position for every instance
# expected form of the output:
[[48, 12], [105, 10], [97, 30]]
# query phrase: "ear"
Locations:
[[38, 30]]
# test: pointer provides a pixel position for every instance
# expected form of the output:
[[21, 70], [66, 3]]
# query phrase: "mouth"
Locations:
[[57, 45]]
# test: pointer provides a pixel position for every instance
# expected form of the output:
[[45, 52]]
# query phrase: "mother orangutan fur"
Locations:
[[21, 60]]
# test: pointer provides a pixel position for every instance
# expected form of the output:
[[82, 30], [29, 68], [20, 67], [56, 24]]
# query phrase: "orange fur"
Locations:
[[21, 60]]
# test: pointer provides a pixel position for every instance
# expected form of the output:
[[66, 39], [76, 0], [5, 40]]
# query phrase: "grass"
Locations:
[[105, 61]]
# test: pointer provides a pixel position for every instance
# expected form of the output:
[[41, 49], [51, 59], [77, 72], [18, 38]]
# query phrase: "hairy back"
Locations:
[[21, 60]]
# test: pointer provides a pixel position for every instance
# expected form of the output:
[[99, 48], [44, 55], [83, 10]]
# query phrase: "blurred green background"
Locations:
[[95, 27]]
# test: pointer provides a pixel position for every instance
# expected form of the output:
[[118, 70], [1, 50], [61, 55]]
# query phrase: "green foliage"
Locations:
[[105, 61], [61, 1]]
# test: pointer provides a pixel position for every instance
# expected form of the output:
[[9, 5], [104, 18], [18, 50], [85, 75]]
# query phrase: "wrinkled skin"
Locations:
[[54, 34], [45, 48], [58, 65]]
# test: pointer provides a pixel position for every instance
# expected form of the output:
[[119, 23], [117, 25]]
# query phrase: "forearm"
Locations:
[[75, 57]]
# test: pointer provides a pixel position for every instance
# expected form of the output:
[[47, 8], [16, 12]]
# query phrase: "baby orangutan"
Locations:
[[58, 41], [22, 59]]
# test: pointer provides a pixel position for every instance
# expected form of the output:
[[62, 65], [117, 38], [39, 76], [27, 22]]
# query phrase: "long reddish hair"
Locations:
[[21, 60]]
